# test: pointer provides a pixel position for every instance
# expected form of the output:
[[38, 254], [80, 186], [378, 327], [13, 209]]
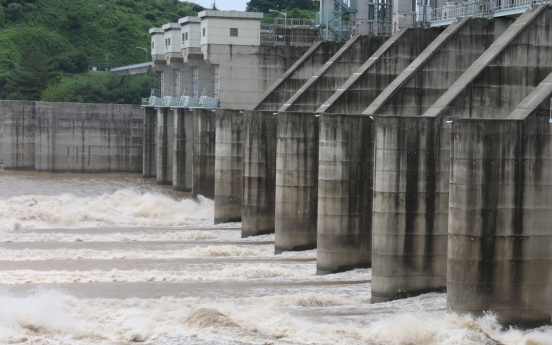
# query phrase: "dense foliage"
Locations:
[[41, 41], [292, 8]]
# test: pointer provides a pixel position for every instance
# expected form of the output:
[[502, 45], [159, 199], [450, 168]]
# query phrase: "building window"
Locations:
[[184, 36], [203, 32], [167, 42], [233, 32], [152, 45]]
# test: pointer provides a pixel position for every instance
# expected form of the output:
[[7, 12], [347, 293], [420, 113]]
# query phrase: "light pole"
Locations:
[[146, 49], [285, 16]]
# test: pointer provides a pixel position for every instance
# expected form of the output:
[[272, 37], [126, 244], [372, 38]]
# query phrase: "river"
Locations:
[[117, 259]]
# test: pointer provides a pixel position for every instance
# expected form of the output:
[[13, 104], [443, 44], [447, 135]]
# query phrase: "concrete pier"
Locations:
[[18, 134], [259, 172], [500, 256], [410, 209], [203, 180], [296, 199], [183, 150], [149, 169], [228, 166], [344, 238], [165, 142]]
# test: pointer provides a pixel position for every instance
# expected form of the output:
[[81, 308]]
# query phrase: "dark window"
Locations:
[[233, 32], [203, 32]]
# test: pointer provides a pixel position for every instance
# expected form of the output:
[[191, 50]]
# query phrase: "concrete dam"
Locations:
[[425, 154]]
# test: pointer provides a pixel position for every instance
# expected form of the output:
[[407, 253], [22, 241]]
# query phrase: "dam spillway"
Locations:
[[426, 158]]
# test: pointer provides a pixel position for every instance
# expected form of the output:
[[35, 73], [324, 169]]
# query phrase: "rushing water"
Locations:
[[116, 259]]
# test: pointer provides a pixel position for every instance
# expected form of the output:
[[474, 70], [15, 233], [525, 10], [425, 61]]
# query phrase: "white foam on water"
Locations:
[[261, 271], [195, 235], [92, 254], [52, 317], [122, 208]]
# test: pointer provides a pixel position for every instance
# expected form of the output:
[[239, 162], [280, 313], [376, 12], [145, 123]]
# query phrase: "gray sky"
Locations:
[[224, 5]]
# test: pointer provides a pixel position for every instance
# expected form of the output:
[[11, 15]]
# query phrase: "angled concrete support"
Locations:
[[333, 73], [203, 180], [344, 238], [228, 166], [259, 172], [149, 169], [183, 150], [296, 182]]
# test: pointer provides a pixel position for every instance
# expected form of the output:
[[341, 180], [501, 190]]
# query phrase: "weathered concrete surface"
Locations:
[[505, 74], [410, 210], [18, 134], [378, 71], [344, 238], [296, 182], [149, 169], [165, 141], [500, 244], [438, 67], [87, 138], [228, 166], [259, 172], [183, 147], [203, 180], [243, 73], [287, 84], [333, 73]]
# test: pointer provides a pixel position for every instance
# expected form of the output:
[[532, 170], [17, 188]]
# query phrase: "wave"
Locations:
[[91, 254], [50, 316], [97, 276], [122, 208]]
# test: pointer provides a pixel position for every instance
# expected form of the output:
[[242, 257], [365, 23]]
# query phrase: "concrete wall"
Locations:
[[379, 71], [165, 142], [149, 169], [296, 199], [259, 172], [285, 86], [18, 134], [333, 74], [228, 166], [203, 179], [500, 255], [183, 150], [87, 138], [243, 73], [344, 238]]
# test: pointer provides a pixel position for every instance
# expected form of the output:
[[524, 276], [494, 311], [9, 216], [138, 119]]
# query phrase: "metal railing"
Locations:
[[289, 40], [168, 101], [294, 23], [374, 29], [481, 8]]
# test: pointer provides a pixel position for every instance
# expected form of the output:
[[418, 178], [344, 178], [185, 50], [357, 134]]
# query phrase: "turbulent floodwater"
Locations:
[[116, 259]]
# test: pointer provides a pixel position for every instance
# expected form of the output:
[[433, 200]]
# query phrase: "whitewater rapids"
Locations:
[[116, 259]]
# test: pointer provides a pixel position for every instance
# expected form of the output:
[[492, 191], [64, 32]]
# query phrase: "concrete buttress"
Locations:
[[296, 182], [165, 142], [344, 239], [259, 172], [149, 169], [228, 166], [183, 150], [203, 180]]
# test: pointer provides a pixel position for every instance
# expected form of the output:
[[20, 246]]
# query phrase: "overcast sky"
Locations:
[[224, 5]]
